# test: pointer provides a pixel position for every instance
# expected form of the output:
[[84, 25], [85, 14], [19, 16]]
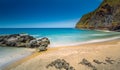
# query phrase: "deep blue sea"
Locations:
[[64, 36], [58, 37]]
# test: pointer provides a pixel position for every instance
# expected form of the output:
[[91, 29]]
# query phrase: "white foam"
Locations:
[[86, 42], [104, 30], [99, 34], [12, 56]]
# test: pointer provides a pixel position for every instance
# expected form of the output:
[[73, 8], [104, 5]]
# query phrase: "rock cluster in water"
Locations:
[[24, 40], [60, 64]]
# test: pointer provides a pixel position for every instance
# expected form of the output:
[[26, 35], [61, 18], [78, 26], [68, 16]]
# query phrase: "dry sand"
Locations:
[[73, 55]]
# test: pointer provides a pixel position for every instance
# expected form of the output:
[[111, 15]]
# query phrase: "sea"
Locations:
[[64, 36], [58, 37]]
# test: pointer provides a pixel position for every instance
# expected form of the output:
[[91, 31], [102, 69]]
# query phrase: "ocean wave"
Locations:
[[85, 42], [99, 34], [103, 30]]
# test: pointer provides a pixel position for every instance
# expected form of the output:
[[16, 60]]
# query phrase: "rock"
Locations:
[[13, 35], [21, 44], [44, 40], [1, 38], [32, 43], [9, 43], [60, 64], [12, 39], [109, 60], [97, 61], [42, 48], [116, 28], [105, 17], [43, 43], [87, 63], [3, 42], [24, 40], [70, 68]]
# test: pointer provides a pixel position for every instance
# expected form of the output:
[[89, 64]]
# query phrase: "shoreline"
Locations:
[[13, 57], [91, 41], [59, 50]]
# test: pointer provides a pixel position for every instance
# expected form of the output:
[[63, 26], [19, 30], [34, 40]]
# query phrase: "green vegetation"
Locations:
[[106, 16]]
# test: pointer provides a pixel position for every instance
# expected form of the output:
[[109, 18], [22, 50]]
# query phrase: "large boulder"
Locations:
[[32, 43], [43, 43], [24, 40], [10, 43]]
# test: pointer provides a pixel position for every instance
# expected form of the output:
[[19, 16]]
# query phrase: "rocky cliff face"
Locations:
[[105, 17]]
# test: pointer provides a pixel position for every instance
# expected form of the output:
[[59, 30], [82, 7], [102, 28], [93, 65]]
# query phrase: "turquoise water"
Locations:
[[65, 36], [58, 37]]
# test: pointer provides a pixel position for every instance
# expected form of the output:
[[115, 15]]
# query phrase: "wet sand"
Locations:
[[101, 51]]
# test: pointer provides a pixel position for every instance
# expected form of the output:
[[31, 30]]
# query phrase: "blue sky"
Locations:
[[44, 13]]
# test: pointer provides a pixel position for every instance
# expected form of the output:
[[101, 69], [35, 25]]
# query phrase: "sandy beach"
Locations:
[[102, 55]]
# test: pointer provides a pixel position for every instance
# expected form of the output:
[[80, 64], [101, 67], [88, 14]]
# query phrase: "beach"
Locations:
[[100, 51], [10, 55], [60, 35]]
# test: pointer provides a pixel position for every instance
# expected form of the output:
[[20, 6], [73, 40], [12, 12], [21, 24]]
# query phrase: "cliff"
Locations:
[[105, 17]]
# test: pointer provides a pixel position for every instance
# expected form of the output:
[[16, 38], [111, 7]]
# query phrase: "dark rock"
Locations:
[[9, 43], [97, 61], [87, 63], [32, 44], [43, 43], [21, 44], [109, 60], [42, 48], [24, 40], [44, 40], [70, 68], [1, 38], [3, 42], [116, 28], [60, 64]]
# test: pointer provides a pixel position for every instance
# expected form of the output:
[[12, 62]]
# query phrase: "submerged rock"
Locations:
[[24, 40]]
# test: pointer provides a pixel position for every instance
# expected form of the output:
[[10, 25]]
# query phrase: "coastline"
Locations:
[[91, 41], [15, 55], [98, 50]]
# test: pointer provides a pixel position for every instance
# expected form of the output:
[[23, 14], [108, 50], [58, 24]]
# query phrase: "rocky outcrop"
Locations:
[[24, 40], [106, 17], [87, 63], [60, 64], [43, 43]]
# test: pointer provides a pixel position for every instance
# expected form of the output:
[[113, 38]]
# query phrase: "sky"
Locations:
[[44, 13]]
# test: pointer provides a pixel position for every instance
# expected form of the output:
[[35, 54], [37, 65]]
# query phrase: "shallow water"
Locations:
[[10, 54], [64, 36], [57, 36]]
